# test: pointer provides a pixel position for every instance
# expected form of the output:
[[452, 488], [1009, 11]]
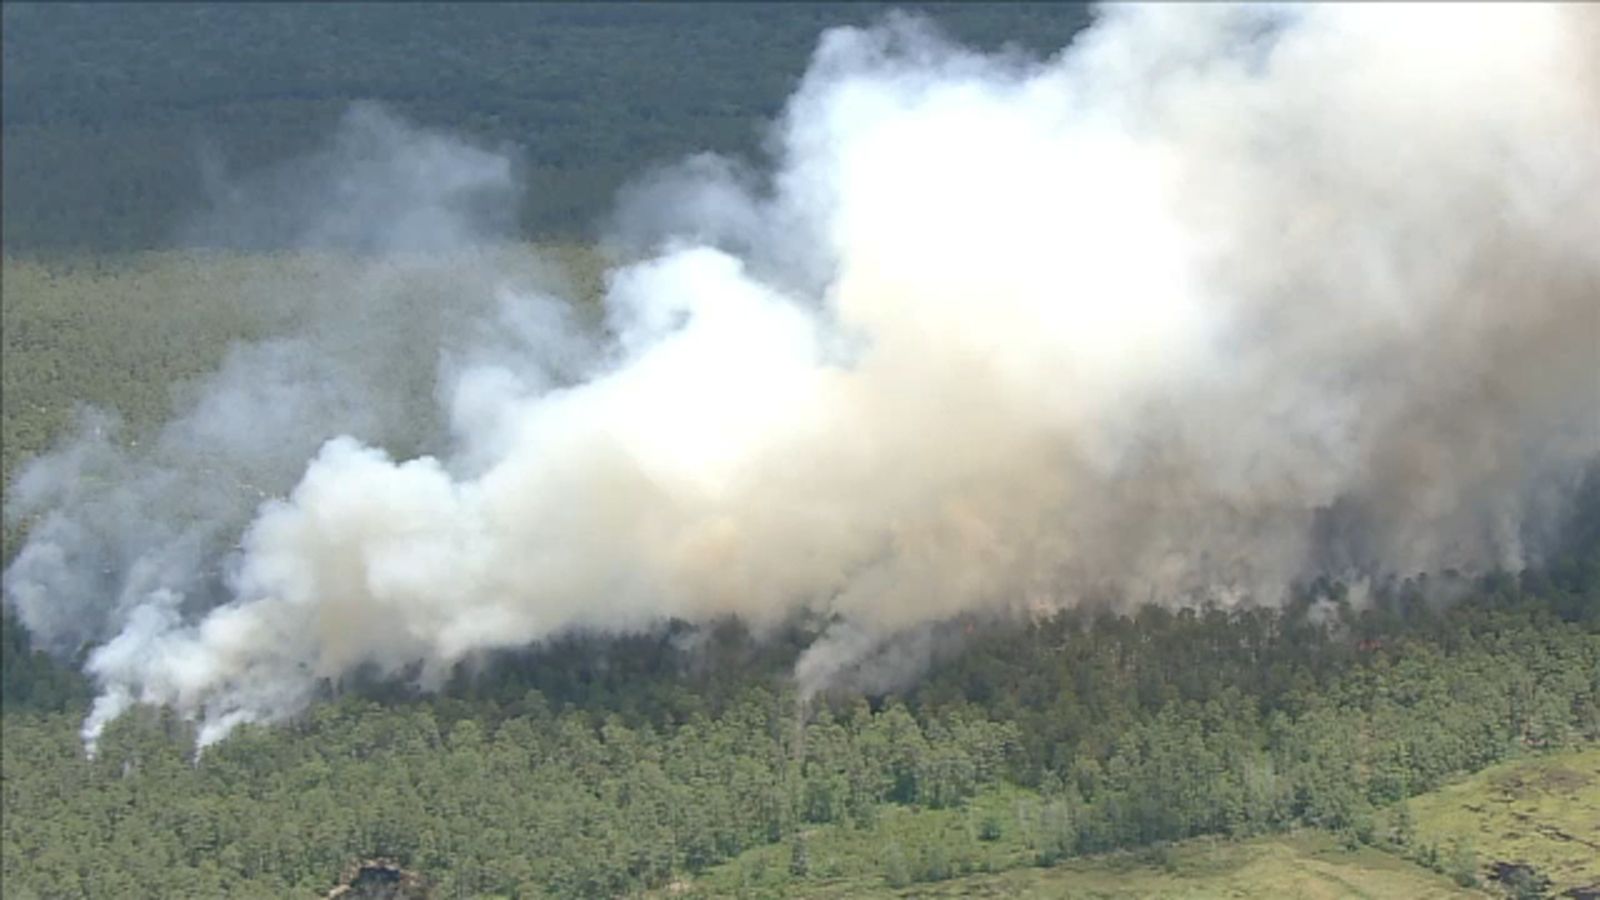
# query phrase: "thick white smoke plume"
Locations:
[[1217, 298]]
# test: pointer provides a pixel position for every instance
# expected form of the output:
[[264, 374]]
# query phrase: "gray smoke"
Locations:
[[1217, 298]]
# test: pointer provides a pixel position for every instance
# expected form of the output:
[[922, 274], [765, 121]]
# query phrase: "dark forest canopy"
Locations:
[[116, 116]]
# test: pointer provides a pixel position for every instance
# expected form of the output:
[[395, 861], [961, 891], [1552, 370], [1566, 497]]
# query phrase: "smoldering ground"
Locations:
[[1214, 299]]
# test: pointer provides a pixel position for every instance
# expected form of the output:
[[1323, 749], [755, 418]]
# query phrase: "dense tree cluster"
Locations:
[[596, 767], [577, 803]]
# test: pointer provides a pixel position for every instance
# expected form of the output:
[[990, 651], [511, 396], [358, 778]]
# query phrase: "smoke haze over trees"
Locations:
[[1189, 425], [996, 334]]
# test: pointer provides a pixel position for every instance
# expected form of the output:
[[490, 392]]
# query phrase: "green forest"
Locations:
[[599, 766], [113, 115], [1395, 744], [605, 767]]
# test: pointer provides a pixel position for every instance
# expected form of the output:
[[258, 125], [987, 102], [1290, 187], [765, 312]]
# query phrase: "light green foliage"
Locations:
[[134, 335], [120, 334], [906, 845], [1305, 864], [479, 806], [1541, 811]]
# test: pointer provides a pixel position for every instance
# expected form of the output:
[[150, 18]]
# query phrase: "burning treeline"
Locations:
[[1214, 299]]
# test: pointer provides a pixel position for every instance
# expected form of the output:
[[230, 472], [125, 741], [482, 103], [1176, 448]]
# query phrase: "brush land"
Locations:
[[1327, 749], [1308, 864], [1533, 822], [1523, 827]]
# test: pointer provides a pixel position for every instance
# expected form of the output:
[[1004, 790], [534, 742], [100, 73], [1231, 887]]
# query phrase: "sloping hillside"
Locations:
[[1531, 823]]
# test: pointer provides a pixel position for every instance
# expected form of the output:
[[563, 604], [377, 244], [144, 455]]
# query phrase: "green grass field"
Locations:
[[843, 862], [1306, 865], [1542, 812]]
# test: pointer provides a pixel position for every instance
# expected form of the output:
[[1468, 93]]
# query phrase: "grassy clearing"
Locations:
[[1308, 865], [1542, 812], [880, 861], [903, 844]]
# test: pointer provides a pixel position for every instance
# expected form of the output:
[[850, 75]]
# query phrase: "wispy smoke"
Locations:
[[1215, 299]]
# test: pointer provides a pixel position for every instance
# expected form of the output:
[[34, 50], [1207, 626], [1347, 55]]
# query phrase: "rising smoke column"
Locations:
[[1216, 298]]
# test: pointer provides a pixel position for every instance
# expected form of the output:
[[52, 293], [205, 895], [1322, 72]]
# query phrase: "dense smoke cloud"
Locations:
[[1215, 299]]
